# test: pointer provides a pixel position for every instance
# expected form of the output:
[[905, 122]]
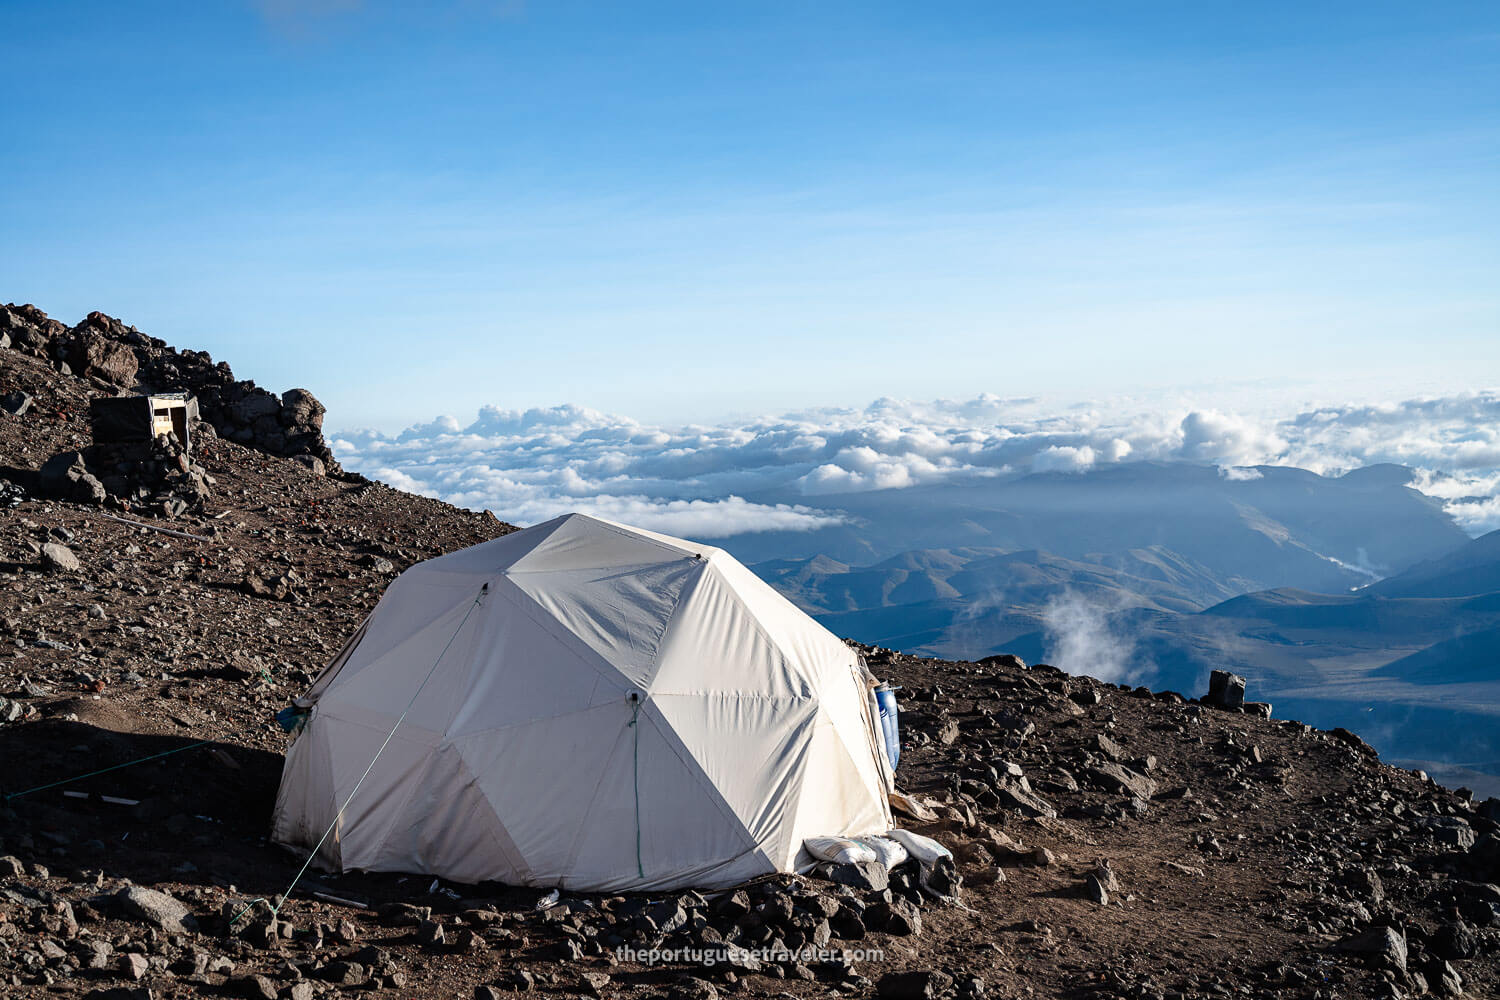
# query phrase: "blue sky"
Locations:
[[684, 211]]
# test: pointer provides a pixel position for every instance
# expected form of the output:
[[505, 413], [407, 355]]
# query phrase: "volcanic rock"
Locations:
[[867, 875], [1119, 778], [91, 353], [1382, 945], [59, 559], [15, 403], [1225, 689], [134, 966], [1450, 831], [899, 917], [925, 984], [155, 907], [66, 475]]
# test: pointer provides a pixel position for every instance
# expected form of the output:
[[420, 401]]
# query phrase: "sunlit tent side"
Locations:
[[604, 708]]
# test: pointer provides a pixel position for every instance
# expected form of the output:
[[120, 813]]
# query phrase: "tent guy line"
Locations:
[[276, 908], [106, 770]]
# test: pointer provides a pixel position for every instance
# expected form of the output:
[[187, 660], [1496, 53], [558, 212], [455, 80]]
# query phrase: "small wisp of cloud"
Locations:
[[1081, 640]]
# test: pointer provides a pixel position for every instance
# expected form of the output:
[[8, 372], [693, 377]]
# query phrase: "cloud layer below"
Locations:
[[785, 473]]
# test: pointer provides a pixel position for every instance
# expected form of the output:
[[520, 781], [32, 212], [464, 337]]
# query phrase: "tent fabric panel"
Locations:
[[751, 750], [831, 667], [620, 613], [509, 664], [305, 802], [846, 706], [687, 835], [833, 798], [814, 652], [331, 669], [670, 541], [351, 747], [865, 684], [539, 778], [448, 827], [491, 557], [429, 669], [402, 637], [526, 667], [589, 543], [715, 645], [544, 622]]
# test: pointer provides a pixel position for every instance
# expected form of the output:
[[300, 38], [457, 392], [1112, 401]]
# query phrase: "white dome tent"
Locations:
[[588, 706]]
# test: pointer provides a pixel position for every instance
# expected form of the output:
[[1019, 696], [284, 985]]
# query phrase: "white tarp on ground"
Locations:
[[518, 762]]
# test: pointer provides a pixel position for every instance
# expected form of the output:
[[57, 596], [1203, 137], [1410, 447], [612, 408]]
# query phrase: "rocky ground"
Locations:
[[1112, 842]]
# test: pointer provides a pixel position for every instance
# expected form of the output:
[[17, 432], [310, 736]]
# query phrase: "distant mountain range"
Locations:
[[1350, 600], [1412, 662], [1253, 528], [965, 570]]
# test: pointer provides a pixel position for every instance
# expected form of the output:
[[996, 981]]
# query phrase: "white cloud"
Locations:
[[1081, 640], [786, 472], [1473, 499], [1210, 436], [1064, 458], [1476, 516]]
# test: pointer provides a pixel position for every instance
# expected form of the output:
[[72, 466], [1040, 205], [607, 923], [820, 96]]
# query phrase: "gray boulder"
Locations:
[[90, 353], [301, 410], [1451, 831], [899, 917], [1109, 747], [1456, 940], [253, 987], [1119, 778], [155, 907], [312, 463], [256, 403], [1017, 795], [1381, 945], [66, 476], [134, 966], [1225, 689], [924, 984], [869, 875], [59, 559]]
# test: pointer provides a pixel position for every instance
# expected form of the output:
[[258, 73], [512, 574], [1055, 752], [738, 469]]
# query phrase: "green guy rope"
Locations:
[[635, 714], [106, 770], [389, 736]]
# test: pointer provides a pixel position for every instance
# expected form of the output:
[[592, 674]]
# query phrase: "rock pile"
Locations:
[[115, 357], [783, 927], [157, 476]]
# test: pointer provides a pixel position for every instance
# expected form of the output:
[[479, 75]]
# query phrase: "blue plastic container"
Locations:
[[890, 722]]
